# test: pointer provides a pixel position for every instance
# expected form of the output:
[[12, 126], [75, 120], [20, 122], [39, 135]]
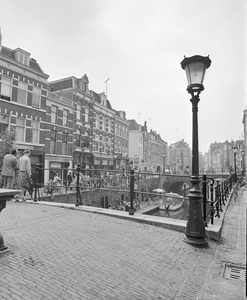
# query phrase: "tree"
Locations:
[[7, 143]]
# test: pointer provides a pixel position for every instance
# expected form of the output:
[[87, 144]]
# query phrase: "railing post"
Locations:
[[212, 201], [223, 192], [217, 199], [132, 178], [78, 169], [204, 193], [36, 183]]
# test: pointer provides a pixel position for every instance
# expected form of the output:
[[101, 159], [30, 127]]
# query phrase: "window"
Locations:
[[20, 129], [120, 130], [116, 129], [78, 138], [4, 123], [103, 123], [54, 114], [36, 97], [96, 143], [35, 131], [86, 140], [86, 113], [6, 88], [65, 118], [103, 144], [97, 121], [22, 93], [64, 144], [78, 111], [53, 142], [23, 58]]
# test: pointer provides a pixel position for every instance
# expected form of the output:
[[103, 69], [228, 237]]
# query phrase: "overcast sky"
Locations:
[[138, 45]]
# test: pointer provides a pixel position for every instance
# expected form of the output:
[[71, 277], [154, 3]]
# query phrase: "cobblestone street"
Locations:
[[58, 253]]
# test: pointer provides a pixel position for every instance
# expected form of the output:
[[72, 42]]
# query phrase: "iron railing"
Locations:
[[215, 193]]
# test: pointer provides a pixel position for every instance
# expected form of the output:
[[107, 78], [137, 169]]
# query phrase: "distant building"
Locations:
[[136, 146], [180, 158]]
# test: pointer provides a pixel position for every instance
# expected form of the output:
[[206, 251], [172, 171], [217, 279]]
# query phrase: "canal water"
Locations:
[[181, 213]]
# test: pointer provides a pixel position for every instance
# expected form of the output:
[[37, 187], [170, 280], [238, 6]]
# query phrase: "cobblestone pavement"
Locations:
[[57, 253]]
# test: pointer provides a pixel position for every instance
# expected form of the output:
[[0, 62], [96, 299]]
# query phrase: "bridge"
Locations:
[[171, 182]]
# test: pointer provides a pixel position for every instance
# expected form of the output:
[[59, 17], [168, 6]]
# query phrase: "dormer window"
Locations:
[[22, 56]]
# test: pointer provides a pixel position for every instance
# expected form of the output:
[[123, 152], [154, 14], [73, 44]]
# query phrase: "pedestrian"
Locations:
[[57, 180], [24, 166], [9, 168], [69, 178]]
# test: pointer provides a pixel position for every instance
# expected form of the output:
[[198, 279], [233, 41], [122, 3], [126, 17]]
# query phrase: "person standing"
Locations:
[[9, 168], [69, 178], [24, 166]]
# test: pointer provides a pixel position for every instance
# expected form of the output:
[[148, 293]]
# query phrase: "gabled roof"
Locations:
[[181, 144]]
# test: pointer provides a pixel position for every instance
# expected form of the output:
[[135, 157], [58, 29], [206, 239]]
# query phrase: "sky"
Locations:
[[139, 45]]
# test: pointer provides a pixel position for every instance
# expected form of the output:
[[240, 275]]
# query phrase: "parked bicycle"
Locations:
[[52, 188]]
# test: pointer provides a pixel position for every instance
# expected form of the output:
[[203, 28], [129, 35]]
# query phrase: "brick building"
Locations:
[[23, 89]]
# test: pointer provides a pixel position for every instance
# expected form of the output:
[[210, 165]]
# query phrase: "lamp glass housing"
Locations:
[[195, 72], [235, 150]]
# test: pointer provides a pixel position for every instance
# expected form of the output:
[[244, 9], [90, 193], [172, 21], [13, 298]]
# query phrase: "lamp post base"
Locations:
[[195, 230], [196, 241]]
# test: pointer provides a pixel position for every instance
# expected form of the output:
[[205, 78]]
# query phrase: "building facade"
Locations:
[[136, 146], [180, 158], [121, 142], [77, 91], [23, 92]]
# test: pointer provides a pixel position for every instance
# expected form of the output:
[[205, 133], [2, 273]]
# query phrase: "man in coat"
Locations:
[[24, 166], [9, 168]]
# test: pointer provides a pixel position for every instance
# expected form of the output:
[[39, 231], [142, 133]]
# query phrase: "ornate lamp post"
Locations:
[[195, 68], [235, 151], [243, 158]]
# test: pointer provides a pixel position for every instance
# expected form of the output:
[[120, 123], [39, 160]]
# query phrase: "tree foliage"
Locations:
[[6, 144]]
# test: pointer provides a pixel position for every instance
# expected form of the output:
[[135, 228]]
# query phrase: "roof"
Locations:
[[133, 125], [10, 53]]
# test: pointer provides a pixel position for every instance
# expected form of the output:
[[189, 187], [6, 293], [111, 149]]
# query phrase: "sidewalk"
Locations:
[[58, 253], [226, 278]]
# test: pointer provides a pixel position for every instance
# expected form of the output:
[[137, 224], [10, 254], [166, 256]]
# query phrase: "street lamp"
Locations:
[[164, 163], [195, 68], [243, 158], [235, 151]]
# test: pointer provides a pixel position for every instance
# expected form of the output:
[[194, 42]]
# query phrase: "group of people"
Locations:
[[13, 164]]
